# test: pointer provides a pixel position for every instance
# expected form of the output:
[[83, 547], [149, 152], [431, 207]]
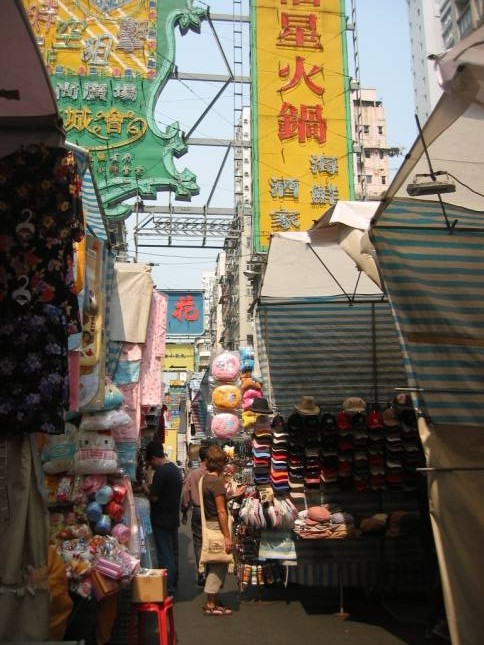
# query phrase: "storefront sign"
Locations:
[[301, 129], [108, 61], [185, 314]]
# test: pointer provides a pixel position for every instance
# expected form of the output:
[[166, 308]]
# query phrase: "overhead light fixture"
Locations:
[[429, 185]]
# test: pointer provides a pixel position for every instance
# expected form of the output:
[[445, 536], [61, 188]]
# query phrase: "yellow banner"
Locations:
[[104, 37], [179, 358], [301, 121]]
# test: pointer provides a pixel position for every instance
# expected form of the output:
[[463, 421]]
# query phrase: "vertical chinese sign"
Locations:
[[300, 111], [108, 61], [185, 313]]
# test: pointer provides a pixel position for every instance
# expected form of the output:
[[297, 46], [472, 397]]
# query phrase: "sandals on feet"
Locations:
[[217, 610]]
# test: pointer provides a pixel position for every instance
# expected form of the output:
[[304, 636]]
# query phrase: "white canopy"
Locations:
[[327, 260]]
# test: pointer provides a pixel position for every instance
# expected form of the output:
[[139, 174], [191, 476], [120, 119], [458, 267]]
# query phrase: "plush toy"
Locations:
[[104, 420], [226, 366], [121, 532], [247, 382], [247, 365], [58, 451], [95, 454], [249, 396], [248, 419], [226, 397], [225, 425], [104, 495], [246, 352]]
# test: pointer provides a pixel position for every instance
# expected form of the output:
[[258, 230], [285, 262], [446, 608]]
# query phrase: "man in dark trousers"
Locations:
[[164, 495], [191, 499]]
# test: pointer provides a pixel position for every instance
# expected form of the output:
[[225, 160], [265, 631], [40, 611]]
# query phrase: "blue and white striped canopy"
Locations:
[[435, 279]]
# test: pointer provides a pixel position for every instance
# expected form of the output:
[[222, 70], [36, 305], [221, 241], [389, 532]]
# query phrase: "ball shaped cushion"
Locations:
[[226, 366], [226, 397], [225, 425]]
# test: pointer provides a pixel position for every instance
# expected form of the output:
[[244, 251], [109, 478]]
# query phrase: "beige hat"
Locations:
[[307, 405], [354, 404]]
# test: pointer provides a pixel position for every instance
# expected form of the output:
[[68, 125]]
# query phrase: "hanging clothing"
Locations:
[[34, 380], [40, 219]]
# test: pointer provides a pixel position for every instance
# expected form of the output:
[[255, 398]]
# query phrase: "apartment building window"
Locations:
[[366, 129], [383, 180], [369, 179], [367, 153], [382, 154], [380, 129]]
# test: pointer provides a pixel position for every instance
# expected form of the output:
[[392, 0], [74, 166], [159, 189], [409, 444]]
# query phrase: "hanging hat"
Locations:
[[307, 405], [260, 406], [354, 404], [402, 401]]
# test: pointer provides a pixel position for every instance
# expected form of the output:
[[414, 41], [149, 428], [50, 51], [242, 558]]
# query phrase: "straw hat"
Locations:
[[307, 405]]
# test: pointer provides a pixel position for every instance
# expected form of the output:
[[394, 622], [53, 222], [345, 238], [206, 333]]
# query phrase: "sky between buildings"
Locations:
[[384, 53]]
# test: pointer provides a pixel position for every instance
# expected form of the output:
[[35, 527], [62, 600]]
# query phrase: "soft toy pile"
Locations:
[[226, 395], [93, 526]]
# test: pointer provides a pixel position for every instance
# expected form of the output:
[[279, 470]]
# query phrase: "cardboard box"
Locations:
[[150, 586]]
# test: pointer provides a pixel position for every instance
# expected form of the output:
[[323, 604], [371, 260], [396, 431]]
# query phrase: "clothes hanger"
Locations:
[[22, 295]]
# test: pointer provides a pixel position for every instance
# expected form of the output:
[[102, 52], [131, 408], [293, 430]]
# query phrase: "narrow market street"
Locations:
[[292, 615]]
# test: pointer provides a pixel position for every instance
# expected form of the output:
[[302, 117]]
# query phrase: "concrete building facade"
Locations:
[[435, 26], [372, 157]]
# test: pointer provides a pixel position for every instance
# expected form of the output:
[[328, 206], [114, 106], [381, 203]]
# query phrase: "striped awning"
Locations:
[[328, 349], [436, 282], [95, 219]]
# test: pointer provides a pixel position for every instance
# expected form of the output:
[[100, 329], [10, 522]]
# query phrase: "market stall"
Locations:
[[428, 236], [327, 341]]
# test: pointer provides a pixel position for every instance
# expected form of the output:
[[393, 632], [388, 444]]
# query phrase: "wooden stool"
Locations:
[[164, 614]]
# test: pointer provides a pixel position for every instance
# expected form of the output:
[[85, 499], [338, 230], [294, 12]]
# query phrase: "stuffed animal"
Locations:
[[226, 366], [249, 396], [226, 397], [58, 451], [95, 454], [225, 425]]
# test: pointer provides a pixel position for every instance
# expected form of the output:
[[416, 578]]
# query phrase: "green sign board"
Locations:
[[109, 61]]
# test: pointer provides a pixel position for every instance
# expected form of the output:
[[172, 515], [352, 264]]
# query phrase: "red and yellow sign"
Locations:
[[301, 129], [104, 36]]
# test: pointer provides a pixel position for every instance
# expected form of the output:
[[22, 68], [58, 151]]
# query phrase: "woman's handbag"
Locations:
[[213, 541]]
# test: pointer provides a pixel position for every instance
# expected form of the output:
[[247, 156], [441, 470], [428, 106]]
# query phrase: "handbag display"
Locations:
[[213, 541]]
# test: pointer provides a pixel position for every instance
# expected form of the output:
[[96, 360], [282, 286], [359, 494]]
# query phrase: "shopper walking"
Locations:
[[217, 515], [164, 495], [191, 500]]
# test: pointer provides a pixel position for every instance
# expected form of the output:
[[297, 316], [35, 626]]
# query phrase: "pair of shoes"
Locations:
[[216, 610], [201, 580]]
